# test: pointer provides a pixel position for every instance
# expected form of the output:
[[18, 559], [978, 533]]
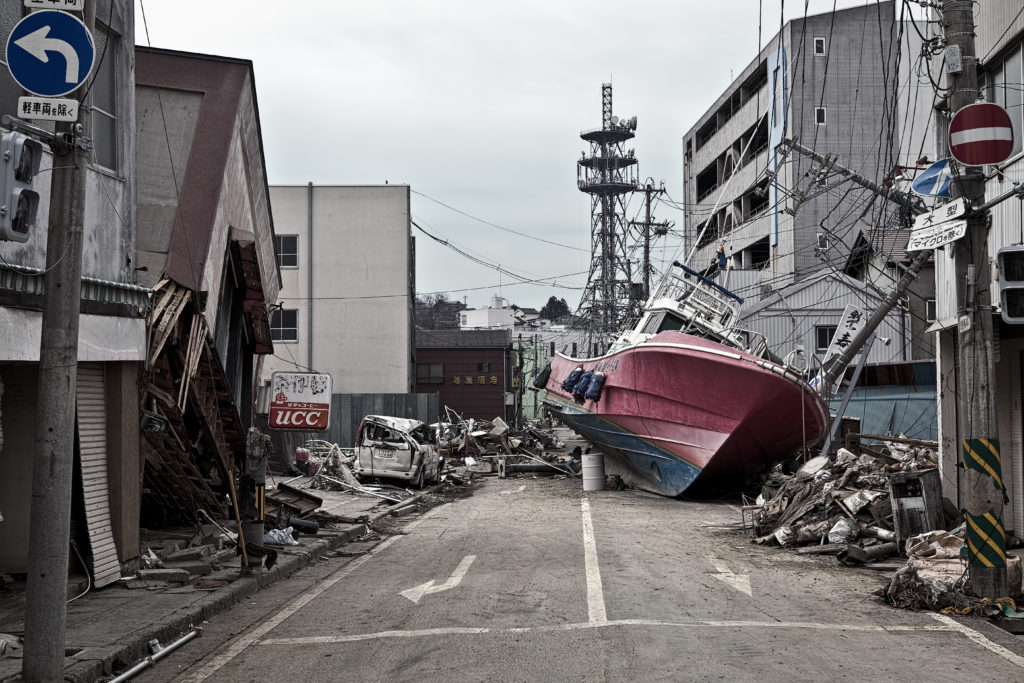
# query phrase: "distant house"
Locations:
[[470, 369]]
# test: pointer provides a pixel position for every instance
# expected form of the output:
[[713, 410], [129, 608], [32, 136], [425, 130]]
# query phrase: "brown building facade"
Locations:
[[470, 369]]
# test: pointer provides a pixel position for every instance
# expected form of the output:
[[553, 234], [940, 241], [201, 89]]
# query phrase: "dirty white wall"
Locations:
[[356, 323]]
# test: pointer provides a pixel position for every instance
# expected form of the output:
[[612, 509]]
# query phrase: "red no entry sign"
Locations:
[[981, 134]]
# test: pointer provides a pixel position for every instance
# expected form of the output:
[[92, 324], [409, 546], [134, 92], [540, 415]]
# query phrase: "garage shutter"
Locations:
[[92, 439]]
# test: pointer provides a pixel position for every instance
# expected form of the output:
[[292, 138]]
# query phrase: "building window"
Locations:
[[483, 367], [819, 46], [823, 337], [819, 115], [430, 373], [103, 97], [284, 324], [930, 311], [287, 251], [822, 241]]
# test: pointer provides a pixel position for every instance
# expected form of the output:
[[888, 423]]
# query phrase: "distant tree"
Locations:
[[436, 312], [555, 308]]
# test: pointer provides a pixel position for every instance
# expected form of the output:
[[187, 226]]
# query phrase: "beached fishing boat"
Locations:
[[684, 400]]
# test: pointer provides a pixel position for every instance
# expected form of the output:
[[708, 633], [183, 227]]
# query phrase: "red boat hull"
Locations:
[[680, 411]]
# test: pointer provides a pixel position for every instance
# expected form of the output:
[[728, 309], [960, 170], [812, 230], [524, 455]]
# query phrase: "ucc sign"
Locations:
[[300, 400]]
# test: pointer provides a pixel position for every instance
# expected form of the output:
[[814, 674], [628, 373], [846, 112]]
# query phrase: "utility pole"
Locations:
[[53, 461], [660, 229], [981, 481]]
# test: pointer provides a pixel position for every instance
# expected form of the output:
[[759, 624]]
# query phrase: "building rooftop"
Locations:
[[463, 338]]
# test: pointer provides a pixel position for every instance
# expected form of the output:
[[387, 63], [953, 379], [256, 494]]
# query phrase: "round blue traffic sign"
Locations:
[[50, 53]]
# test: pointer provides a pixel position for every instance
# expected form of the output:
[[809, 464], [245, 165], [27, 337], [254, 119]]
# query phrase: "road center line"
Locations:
[[595, 594], [250, 637]]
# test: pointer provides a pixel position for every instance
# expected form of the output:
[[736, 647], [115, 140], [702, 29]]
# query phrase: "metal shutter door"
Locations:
[[92, 438]]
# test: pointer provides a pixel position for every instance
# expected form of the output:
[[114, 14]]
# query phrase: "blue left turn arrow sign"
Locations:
[[50, 53]]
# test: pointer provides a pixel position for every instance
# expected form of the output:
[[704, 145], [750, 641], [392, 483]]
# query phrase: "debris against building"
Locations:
[[860, 506]]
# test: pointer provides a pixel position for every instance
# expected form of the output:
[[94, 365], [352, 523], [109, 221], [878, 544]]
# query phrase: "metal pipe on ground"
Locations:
[[159, 654]]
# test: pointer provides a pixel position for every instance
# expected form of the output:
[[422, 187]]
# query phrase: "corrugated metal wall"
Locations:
[[347, 410], [996, 24]]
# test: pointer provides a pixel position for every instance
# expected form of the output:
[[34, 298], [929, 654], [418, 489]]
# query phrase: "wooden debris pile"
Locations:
[[839, 504]]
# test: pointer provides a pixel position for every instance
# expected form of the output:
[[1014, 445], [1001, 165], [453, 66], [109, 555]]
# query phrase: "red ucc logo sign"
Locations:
[[297, 418]]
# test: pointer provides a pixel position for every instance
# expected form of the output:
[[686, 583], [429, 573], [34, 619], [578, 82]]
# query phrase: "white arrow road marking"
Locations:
[[518, 490], [416, 593], [740, 582], [37, 45]]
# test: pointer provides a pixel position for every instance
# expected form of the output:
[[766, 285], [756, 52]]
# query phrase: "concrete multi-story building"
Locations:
[[842, 84], [347, 274]]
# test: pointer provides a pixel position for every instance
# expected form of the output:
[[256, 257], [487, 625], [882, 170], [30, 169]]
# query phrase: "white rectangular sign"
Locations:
[[937, 235], [849, 325], [946, 212], [66, 5], [300, 400], [47, 108]]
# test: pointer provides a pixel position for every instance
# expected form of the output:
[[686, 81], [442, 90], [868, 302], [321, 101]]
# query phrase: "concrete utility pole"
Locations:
[[836, 367], [981, 487], [659, 229], [53, 461]]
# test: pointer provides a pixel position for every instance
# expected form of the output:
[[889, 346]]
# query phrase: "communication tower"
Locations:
[[607, 172]]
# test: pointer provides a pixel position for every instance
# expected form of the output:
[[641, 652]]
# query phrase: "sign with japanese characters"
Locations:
[[946, 212], [66, 5], [300, 400], [936, 236], [47, 109], [849, 325]]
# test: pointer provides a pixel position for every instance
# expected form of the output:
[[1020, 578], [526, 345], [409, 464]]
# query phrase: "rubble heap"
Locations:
[[840, 504]]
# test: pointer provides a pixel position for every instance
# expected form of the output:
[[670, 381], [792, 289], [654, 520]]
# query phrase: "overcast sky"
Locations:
[[478, 105]]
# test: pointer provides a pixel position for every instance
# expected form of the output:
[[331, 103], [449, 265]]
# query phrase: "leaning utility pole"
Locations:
[[659, 229], [981, 481], [53, 461]]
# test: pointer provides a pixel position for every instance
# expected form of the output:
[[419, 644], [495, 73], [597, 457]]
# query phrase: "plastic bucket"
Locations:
[[593, 471]]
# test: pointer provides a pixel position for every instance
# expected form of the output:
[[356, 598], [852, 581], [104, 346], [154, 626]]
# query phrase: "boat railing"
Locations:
[[711, 303]]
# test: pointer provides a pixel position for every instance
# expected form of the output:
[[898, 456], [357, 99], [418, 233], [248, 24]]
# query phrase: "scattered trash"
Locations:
[[280, 537]]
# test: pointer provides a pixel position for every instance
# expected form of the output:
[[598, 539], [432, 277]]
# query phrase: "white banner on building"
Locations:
[[849, 325]]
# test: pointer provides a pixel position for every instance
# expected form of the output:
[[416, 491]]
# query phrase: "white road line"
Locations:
[[595, 594], [468, 630], [250, 637], [518, 490], [1011, 657]]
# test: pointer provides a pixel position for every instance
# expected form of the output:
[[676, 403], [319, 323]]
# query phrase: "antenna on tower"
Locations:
[[607, 172]]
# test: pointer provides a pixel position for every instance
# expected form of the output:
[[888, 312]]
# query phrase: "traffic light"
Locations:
[[1011, 283], [19, 203]]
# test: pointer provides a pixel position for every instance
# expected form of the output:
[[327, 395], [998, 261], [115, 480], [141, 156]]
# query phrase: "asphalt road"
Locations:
[[533, 580]]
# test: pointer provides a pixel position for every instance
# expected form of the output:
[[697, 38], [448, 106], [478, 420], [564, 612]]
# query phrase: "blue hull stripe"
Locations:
[[639, 462]]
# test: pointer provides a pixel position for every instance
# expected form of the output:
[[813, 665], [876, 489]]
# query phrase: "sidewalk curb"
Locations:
[[103, 660]]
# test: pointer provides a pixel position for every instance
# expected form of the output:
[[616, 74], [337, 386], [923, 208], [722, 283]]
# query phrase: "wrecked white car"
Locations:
[[397, 448]]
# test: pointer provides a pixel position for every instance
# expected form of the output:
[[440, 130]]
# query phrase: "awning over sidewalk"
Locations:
[[30, 280]]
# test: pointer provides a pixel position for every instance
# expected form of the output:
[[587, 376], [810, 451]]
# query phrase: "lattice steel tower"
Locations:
[[606, 173]]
